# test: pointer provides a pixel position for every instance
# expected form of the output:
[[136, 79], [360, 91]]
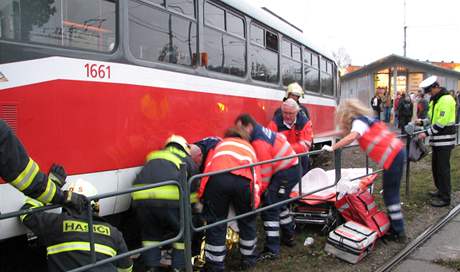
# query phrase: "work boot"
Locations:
[[288, 240], [440, 203], [434, 193], [245, 265]]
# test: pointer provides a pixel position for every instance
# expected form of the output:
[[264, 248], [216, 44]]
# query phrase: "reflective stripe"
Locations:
[[165, 192], [282, 150], [48, 194], [233, 154], [286, 221], [32, 202], [384, 227], [394, 207], [433, 130], [396, 216], [179, 246], [246, 251], [442, 143], [371, 206], [214, 248], [242, 146], [441, 137], [273, 233], [248, 243], [128, 269], [214, 258], [26, 177], [271, 224], [266, 169], [376, 140], [284, 163], [265, 179], [387, 152], [150, 243], [343, 207], [80, 246], [164, 155], [284, 212]]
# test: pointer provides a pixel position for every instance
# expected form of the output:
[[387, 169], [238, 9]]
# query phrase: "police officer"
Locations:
[[235, 187], [278, 178], [66, 238], [157, 209], [442, 130], [21, 171]]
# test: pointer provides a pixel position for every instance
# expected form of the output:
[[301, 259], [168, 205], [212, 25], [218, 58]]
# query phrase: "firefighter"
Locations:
[[294, 124], [294, 91], [278, 179], [383, 147], [66, 238], [157, 209], [21, 171], [239, 188], [442, 130]]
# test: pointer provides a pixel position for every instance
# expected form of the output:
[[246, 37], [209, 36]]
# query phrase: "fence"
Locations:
[[186, 224]]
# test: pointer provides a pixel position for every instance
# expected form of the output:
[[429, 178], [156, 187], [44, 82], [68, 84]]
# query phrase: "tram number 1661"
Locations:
[[97, 71]]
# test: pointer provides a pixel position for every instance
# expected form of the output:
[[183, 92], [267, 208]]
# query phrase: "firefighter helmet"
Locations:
[[83, 187], [295, 89], [179, 140]]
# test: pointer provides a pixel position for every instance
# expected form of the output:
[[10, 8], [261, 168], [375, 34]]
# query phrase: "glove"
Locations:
[[75, 202], [57, 174], [327, 148]]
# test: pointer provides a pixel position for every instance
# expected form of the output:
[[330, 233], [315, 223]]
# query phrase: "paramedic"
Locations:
[[19, 170], [157, 209], [442, 130], [382, 146], [65, 235], [239, 188], [199, 150], [278, 179]]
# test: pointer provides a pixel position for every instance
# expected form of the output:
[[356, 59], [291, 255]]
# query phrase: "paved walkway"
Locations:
[[443, 245]]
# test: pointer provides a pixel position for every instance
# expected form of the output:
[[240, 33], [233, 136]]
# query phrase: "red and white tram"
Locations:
[[96, 84]]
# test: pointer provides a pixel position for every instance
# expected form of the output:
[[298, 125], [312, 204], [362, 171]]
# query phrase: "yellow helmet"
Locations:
[[295, 89], [176, 139]]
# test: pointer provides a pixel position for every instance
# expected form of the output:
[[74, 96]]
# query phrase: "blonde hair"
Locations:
[[348, 110]]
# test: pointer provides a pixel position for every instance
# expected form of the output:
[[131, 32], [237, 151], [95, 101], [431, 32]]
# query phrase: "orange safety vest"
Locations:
[[380, 144], [295, 135], [234, 152]]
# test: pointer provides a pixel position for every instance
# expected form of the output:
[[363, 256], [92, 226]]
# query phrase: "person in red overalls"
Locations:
[[383, 147]]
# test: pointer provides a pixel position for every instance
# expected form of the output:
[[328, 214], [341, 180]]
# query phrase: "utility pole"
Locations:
[[405, 29]]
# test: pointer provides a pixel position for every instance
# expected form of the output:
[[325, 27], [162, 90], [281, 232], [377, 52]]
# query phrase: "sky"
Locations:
[[369, 29]]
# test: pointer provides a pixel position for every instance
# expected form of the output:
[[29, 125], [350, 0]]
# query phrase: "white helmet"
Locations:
[[429, 82], [295, 89], [180, 141], [83, 187]]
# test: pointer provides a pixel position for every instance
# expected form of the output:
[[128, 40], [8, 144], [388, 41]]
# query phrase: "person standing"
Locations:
[[442, 130], [157, 209], [383, 147], [387, 103], [376, 103], [395, 109], [66, 238], [239, 188], [405, 110], [422, 106], [278, 179]]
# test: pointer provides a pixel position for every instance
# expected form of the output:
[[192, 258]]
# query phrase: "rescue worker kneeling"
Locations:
[[238, 187], [66, 238], [157, 209]]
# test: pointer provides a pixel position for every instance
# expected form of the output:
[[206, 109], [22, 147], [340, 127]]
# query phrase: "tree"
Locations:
[[342, 58]]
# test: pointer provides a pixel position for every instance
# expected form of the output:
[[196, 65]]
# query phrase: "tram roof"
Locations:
[[274, 22], [394, 59]]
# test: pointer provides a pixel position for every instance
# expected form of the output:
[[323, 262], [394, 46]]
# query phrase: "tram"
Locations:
[[95, 85]]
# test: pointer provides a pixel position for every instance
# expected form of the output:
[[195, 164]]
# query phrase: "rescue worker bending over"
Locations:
[[19, 170], [157, 209], [294, 91], [278, 179], [199, 150], [239, 188], [66, 238], [442, 130]]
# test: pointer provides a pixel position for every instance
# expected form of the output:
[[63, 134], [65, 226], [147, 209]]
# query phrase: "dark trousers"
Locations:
[[287, 178], [159, 224], [391, 187], [440, 165], [221, 191]]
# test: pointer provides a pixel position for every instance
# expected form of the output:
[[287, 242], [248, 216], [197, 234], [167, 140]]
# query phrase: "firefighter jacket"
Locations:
[[18, 169], [234, 152], [206, 145], [379, 143], [66, 238], [299, 135], [164, 165], [441, 116], [271, 145]]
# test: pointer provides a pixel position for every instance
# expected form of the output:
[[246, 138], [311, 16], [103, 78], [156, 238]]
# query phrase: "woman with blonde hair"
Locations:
[[383, 147]]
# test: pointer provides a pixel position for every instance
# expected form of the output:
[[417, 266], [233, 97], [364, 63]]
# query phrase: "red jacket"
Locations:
[[233, 152], [300, 135]]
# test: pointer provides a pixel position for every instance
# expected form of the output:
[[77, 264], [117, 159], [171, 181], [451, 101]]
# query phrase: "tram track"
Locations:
[[422, 238]]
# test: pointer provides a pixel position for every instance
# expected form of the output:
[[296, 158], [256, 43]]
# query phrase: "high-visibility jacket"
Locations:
[[441, 114], [299, 135], [67, 241], [164, 165], [21, 171], [234, 152], [271, 145], [379, 143]]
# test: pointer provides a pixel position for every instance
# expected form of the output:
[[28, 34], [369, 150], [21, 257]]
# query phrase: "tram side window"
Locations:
[[291, 65], [224, 41], [156, 34], [264, 55], [85, 24], [327, 82], [311, 72]]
